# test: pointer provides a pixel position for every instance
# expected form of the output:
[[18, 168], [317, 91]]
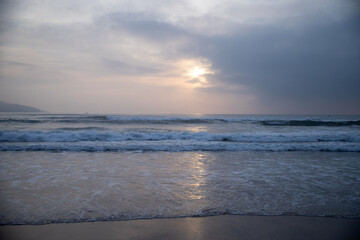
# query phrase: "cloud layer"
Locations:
[[287, 56]]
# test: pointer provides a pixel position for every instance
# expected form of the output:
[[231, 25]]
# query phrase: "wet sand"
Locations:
[[218, 227]]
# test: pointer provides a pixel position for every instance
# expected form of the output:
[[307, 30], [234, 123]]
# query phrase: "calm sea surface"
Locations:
[[72, 168]]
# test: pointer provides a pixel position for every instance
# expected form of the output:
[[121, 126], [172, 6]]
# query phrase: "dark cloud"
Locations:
[[6, 9], [316, 62], [142, 25]]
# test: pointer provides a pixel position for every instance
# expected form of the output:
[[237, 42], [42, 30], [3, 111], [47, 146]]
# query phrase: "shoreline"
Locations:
[[176, 217], [211, 227]]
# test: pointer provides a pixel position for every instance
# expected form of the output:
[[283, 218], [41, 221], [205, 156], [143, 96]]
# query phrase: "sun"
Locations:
[[196, 72]]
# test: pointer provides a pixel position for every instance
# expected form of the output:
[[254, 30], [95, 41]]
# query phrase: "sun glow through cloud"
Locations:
[[196, 72]]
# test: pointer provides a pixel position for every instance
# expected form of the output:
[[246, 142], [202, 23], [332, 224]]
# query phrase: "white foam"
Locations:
[[260, 137]]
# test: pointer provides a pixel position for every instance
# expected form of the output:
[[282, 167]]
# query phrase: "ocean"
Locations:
[[86, 167]]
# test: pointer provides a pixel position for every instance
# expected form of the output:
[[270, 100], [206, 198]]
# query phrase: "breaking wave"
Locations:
[[310, 123], [100, 141], [90, 134]]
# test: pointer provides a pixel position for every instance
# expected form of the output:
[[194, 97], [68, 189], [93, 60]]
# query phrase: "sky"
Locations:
[[178, 57]]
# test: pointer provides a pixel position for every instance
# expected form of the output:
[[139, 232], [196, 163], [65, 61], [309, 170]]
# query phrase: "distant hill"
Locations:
[[7, 107]]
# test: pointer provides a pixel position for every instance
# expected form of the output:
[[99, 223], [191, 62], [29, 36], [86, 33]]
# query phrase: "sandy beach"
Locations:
[[217, 227]]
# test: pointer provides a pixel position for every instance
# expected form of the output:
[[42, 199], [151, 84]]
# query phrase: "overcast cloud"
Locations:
[[283, 56]]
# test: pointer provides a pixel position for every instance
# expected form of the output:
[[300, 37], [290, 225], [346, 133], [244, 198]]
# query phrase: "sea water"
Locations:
[[81, 167]]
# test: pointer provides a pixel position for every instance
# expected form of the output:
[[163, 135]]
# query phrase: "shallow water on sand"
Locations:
[[42, 187]]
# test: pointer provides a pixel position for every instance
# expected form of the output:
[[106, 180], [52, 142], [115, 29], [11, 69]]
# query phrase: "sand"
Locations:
[[217, 227]]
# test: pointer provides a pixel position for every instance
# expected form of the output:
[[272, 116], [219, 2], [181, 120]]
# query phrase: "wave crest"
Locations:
[[79, 134]]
